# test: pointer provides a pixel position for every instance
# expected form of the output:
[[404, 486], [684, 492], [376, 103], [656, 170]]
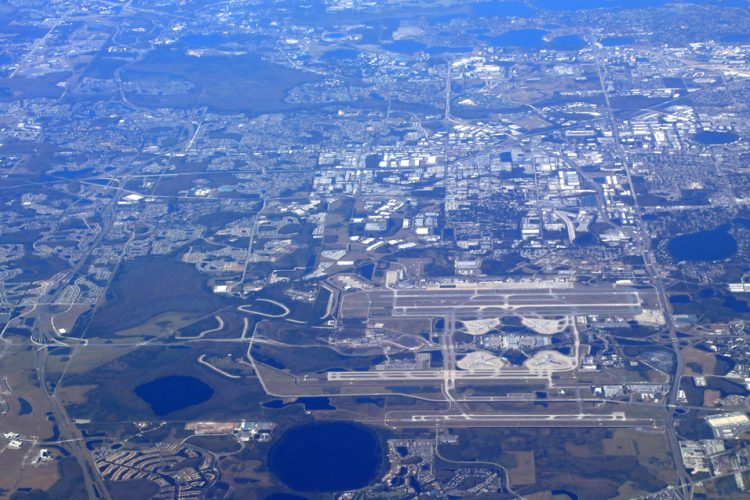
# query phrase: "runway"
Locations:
[[483, 302], [390, 375], [616, 419]]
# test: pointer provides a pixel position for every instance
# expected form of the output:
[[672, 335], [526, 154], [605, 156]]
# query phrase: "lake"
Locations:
[[735, 304], [535, 39], [712, 137], [526, 38], [340, 55], [558, 5], [703, 246], [330, 456], [564, 492], [25, 407], [680, 299], [568, 42], [172, 393], [310, 403], [617, 41], [503, 9], [404, 46]]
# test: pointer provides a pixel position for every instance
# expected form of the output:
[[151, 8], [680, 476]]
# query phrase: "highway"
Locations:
[[644, 244], [69, 433]]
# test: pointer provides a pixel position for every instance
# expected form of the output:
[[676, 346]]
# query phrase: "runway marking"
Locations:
[[540, 374]]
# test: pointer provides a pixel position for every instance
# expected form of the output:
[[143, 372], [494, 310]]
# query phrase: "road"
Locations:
[[449, 373], [253, 231], [473, 463], [69, 433], [651, 266], [38, 44]]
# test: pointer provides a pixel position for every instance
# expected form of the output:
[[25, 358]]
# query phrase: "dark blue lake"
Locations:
[[735, 38], [680, 299], [735, 304], [503, 9], [330, 456], [72, 174], [311, 403], [564, 492], [25, 407], [172, 393], [593, 4], [711, 137], [620, 5], [617, 41], [526, 38], [440, 49], [405, 46], [567, 42], [284, 496], [340, 54], [534, 39], [716, 244]]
